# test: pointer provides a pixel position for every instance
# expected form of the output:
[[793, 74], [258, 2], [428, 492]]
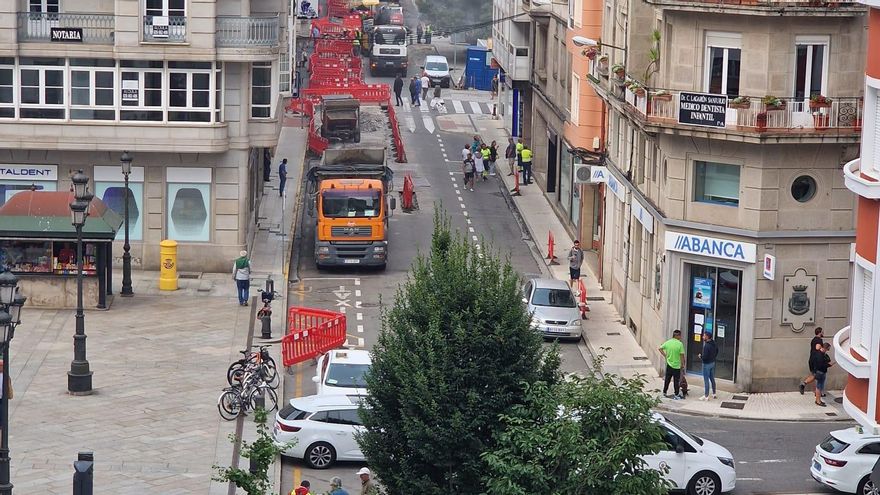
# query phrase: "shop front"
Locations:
[[38, 245], [715, 281], [15, 178]]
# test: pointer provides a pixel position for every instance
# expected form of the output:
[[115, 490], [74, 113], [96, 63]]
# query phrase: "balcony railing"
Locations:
[[243, 32], [67, 27], [768, 7], [842, 354], [165, 28]]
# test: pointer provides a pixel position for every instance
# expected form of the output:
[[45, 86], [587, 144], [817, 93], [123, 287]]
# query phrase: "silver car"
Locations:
[[555, 312]]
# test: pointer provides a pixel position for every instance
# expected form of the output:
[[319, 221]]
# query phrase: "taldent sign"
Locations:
[[702, 109], [29, 172], [711, 246]]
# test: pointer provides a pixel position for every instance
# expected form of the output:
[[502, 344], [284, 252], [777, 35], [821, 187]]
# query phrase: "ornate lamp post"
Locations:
[[11, 303], [79, 378], [126, 256]]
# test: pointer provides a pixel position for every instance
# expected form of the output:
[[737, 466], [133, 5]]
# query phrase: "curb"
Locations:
[[666, 408], [296, 230]]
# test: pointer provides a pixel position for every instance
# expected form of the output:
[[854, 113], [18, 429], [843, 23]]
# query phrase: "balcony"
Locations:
[[246, 32], [766, 7], [845, 358], [861, 182], [170, 29], [48, 27]]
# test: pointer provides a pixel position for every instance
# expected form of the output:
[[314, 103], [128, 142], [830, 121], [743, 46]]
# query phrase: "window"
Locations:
[[7, 87], [716, 183], [554, 298], [92, 93], [261, 90], [9, 188], [284, 72], [635, 247], [43, 6], [870, 449], [863, 307], [166, 8], [347, 375], [42, 88], [345, 417], [189, 204], [112, 193], [218, 93], [722, 63], [811, 66], [141, 90], [803, 188], [575, 97], [189, 96]]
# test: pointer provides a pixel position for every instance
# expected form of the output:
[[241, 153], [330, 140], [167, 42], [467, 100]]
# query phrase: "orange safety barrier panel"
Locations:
[[310, 333]]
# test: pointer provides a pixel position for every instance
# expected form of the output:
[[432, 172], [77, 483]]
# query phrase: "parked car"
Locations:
[[845, 459], [341, 371], [694, 464], [437, 69], [321, 429], [555, 313]]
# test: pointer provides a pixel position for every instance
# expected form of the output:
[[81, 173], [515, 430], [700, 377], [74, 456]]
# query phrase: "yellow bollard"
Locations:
[[168, 265]]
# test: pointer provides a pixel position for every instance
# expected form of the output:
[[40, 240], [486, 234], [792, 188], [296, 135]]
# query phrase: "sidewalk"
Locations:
[[159, 361], [605, 333]]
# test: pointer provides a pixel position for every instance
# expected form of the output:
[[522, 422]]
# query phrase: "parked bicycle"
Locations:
[[242, 396], [254, 361]]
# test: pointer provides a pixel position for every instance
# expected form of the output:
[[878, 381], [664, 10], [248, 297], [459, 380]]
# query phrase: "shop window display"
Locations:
[[58, 258], [189, 212]]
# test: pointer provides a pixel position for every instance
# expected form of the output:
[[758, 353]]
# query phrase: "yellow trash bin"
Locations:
[[168, 265]]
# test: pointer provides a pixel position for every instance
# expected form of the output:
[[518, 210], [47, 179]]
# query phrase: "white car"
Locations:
[[845, 459], [321, 429], [694, 464], [437, 69], [555, 312], [341, 371]]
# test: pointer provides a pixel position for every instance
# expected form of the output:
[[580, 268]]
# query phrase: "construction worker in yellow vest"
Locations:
[[519, 166], [484, 150], [356, 47], [527, 165]]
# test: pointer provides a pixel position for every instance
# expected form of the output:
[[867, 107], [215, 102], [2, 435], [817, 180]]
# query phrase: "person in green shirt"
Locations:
[[673, 351]]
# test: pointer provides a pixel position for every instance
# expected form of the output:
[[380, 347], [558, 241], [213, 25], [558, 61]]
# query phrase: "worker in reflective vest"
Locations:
[[519, 148], [356, 47], [527, 165]]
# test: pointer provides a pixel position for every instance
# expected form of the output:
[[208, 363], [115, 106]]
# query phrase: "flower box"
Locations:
[[662, 96]]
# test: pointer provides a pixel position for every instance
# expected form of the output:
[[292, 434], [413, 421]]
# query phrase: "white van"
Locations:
[[437, 70]]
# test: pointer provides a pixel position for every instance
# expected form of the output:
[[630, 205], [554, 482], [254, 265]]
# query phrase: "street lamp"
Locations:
[[11, 303], [588, 42], [79, 378], [126, 256]]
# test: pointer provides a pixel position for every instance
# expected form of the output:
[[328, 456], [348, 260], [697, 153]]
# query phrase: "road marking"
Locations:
[[357, 281], [359, 316], [471, 230], [475, 238], [451, 173], [342, 310], [410, 123], [357, 293], [465, 214], [460, 198], [359, 340], [360, 329], [457, 106], [462, 205], [468, 221], [476, 107], [764, 461], [357, 304], [406, 105], [749, 479], [424, 108], [429, 123]]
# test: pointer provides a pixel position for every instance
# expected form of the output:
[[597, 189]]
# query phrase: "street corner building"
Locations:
[[723, 208], [192, 90], [857, 344]]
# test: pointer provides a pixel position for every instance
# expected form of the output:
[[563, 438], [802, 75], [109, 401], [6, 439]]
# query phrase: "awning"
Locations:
[[47, 214]]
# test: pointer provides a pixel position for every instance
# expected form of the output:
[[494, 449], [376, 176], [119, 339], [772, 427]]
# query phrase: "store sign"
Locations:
[[74, 35], [769, 266], [29, 172], [701, 109], [702, 293], [130, 89], [603, 175], [598, 174], [643, 216], [160, 27], [711, 246]]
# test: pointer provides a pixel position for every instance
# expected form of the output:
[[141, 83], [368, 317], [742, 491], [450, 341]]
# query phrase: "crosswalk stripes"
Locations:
[[410, 123], [476, 107], [425, 107], [429, 123], [406, 104], [459, 108]]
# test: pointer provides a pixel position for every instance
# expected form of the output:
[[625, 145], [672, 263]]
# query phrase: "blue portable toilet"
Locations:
[[479, 72]]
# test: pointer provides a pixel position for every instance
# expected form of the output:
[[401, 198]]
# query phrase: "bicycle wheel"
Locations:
[[270, 398], [236, 369], [270, 375], [229, 404]]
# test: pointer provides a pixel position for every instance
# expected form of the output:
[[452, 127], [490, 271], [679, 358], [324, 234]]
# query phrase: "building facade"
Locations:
[[727, 212], [857, 346], [510, 50], [188, 87]]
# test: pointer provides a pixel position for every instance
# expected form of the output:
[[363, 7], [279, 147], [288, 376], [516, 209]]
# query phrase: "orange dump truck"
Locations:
[[349, 199]]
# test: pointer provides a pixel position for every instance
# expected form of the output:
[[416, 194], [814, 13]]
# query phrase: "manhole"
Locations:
[[640, 358], [595, 298], [830, 414], [732, 405], [190, 275], [612, 333], [740, 397], [839, 400]]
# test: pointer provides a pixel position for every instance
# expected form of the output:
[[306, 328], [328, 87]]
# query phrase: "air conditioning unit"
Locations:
[[582, 174]]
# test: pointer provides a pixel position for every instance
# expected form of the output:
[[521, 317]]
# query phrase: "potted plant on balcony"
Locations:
[[761, 121], [740, 102], [591, 53], [819, 101], [773, 103], [661, 95], [636, 88], [619, 70]]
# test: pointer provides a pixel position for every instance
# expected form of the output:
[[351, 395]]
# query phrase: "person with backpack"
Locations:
[[302, 489], [241, 273]]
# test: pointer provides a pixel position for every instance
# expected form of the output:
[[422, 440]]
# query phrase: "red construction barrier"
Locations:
[[327, 47], [408, 193], [317, 143], [550, 245], [337, 8], [515, 190], [310, 333], [395, 132], [582, 299]]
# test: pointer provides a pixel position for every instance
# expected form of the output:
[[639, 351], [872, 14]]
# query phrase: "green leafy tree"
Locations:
[[261, 452], [455, 351], [579, 436], [446, 15]]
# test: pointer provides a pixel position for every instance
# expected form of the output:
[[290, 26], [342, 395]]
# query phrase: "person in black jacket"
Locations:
[[707, 356], [820, 362], [398, 88], [815, 344]]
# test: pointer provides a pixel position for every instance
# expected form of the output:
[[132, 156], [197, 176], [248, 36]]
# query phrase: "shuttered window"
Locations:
[[864, 315], [874, 152]]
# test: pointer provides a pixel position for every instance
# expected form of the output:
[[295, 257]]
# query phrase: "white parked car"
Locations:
[[322, 428], [341, 371], [694, 464], [555, 313], [845, 459]]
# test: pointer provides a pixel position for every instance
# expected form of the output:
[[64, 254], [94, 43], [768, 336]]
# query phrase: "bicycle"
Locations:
[[254, 361], [242, 397]]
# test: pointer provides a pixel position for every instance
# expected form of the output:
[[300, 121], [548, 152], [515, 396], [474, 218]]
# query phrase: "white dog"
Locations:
[[438, 104]]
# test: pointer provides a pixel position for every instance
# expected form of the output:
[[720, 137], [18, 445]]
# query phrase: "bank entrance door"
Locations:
[[713, 306]]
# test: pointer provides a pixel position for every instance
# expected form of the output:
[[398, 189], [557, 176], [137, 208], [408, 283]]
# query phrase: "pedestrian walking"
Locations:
[[519, 165], [526, 165], [468, 167], [673, 351], [510, 154], [426, 85], [486, 154], [398, 88], [493, 157], [429, 31], [494, 86], [479, 167], [475, 144], [418, 91], [821, 361], [419, 30], [282, 176], [241, 273], [707, 357], [367, 485], [575, 260], [302, 489], [815, 344], [304, 59], [336, 486], [413, 91]]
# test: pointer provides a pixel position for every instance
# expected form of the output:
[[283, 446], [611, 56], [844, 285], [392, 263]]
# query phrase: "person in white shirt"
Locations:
[[426, 84]]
